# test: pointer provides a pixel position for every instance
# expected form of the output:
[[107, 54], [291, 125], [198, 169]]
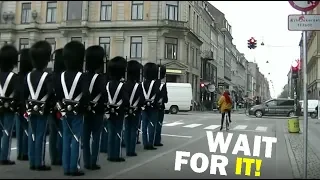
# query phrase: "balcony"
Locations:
[[173, 24], [71, 24], [207, 55]]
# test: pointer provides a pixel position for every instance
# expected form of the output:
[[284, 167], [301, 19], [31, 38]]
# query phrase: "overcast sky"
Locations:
[[267, 22]]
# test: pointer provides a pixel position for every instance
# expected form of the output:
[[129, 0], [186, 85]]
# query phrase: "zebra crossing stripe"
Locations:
[[173, 124], [240, 127], [261, 128], [212, 127], [192, 125]]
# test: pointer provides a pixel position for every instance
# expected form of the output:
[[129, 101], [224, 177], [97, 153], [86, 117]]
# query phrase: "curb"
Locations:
[[293, 162]]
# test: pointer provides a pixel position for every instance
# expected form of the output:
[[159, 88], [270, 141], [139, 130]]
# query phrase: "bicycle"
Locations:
[[227, 120]]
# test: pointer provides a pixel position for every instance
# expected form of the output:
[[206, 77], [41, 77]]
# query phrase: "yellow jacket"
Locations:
[[224, 105]]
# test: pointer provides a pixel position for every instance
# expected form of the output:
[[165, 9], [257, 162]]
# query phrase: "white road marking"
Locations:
[[240, 127], [172, 135], [212, 127], [192, 125], [261, 128], [173, 124]]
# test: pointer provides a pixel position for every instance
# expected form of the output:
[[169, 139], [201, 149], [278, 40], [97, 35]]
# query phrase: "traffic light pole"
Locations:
[[305, 106]]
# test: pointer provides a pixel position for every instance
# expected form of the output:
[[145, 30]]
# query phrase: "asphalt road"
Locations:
[[183, 132]]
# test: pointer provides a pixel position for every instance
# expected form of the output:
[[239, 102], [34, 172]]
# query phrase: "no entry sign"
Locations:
[[304, 6]]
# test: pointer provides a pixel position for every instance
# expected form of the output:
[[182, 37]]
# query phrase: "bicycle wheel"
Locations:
[[227, 121]]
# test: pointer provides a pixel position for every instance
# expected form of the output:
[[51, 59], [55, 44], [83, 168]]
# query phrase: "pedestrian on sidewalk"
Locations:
[[225, 104]]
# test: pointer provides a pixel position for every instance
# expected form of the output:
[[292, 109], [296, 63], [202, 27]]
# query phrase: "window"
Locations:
[[195, 62], [52, 42], [192, 55], [187, 52], [26, 13], [189, 16], [76, 39], [74, 10], [51, 12], [24, 43], [272, 103], [171, 48], [285, 103], [136, 47], [137, 10], [172, 10], [197, 24], [106, 11], [105, 43]]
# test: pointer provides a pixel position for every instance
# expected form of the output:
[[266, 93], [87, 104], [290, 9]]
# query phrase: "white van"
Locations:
[[179, 97], [312, 104]]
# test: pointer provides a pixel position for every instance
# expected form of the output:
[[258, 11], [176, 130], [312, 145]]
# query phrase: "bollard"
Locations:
[[293, 125]]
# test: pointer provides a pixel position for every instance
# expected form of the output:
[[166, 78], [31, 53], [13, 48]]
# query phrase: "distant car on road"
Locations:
[[274, 107]]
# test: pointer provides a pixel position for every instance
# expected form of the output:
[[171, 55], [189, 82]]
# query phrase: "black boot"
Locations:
[[25, 158], [78, 173], [43, 168], [132, 154], [7, 162], [95, 167], [160, 144]]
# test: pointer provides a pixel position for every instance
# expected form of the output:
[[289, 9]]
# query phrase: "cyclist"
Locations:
[[225, 104]]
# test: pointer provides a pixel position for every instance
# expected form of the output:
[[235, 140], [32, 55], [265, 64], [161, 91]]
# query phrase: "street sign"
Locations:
[[211, 88], [304, 6], [304, 22]]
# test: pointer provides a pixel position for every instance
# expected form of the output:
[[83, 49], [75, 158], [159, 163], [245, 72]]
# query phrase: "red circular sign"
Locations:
[[304, 5]]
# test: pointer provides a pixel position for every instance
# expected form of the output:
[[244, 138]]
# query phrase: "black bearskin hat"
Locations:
[[94, 58], [73, 55], [40, 54], [117, 68], [150, 71], [133, 70], [58, 66], [8, 57], [25, 61]]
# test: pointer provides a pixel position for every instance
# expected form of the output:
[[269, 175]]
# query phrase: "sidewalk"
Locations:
[[295, 149]]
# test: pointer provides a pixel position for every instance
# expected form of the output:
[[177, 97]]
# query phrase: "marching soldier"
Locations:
[[136, 101], [140, 115], [162, 101], [151, 92], [22, 124], [93, 120], [8, 100], [55, 124], [38, 93], [72, 96], [104, 134], [117, 102]]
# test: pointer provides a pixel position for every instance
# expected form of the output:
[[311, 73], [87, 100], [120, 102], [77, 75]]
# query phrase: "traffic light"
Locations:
[[294, 72], [202, 85], [252, 43]]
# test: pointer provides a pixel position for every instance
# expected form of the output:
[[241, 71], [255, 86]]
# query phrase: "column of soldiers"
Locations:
[[86, 112]]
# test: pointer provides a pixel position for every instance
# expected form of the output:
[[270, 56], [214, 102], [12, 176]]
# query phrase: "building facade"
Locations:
[[313, 64], [166, 32], [192, 38]]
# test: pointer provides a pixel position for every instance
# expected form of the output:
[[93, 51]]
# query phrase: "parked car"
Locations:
[[274, 107]]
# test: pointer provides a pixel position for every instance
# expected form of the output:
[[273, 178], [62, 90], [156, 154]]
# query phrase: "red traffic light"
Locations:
[[202, 85], [252, 40], [295, 69]]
